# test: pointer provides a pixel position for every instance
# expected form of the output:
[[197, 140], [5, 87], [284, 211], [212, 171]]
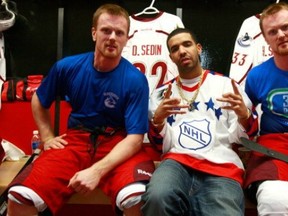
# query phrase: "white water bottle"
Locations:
[[35, 141]]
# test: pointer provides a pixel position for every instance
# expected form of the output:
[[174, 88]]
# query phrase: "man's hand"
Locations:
[[55, 142], [236, 102], [84, 181], [167, 107]]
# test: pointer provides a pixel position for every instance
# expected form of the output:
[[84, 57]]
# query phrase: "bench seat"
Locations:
[[78, 204]]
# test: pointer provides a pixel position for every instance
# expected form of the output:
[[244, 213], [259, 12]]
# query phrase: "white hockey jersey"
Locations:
[[250, 49], [147, 50], [203, 138]]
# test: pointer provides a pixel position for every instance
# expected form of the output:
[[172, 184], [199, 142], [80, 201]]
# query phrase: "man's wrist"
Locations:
[[47, 139], [247, 115], [157, 124]]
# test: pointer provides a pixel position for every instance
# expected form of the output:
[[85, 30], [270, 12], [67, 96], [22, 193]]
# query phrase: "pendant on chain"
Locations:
[[190, 103], [191, 107]]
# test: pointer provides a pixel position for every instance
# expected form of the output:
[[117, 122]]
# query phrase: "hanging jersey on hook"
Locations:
[[2, 63], [250, 49], [147, 50]]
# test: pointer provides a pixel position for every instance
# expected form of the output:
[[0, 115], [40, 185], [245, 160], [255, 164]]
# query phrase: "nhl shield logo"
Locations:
[[195, 134]]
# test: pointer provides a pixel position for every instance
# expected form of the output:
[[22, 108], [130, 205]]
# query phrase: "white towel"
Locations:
[[12, 152]]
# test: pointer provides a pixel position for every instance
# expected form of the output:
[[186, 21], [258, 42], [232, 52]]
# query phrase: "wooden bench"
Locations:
[[97, 201]]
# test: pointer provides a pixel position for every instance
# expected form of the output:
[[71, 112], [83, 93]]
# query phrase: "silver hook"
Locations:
[[7, 23], [151, 5], [4, 2]]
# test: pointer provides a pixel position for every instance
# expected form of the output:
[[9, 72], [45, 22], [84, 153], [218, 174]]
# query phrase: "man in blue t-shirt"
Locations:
[[103, 144], [266, 84]]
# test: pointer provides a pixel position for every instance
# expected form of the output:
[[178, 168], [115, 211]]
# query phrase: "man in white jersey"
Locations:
[[199, 115]]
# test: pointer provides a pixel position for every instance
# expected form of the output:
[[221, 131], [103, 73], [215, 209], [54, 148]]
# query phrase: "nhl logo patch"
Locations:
[[195, 134]]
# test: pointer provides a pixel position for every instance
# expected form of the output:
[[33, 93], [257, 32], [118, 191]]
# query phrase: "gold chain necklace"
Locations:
[[192, 100]]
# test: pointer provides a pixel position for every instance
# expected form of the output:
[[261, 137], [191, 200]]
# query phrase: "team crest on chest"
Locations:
[[195, 134], [110, 99]]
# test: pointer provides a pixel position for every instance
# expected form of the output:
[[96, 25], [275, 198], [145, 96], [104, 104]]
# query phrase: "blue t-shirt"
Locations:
[[268, 85], [118, 98]]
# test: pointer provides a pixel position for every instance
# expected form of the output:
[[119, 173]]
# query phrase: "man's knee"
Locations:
[[23, 197], [20, 209], [270, 200], [130, 196]]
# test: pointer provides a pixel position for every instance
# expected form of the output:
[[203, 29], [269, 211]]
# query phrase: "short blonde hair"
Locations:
[[111, 9], [270, 10]]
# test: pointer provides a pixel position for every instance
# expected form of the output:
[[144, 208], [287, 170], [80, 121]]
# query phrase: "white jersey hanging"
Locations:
[[147, 50], [250, 49], [2, 64]]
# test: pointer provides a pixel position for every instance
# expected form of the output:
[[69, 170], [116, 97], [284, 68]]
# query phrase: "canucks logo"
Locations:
[[110, 99], [244, 41], [195, 134], [277, 100]]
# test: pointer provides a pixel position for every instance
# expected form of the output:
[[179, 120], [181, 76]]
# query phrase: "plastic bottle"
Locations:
[[35, 141]]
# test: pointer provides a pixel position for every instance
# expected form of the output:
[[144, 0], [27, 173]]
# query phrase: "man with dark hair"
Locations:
[[198, 115]]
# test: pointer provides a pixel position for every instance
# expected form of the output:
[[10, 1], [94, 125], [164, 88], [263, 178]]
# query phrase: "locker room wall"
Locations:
[[31, 44]]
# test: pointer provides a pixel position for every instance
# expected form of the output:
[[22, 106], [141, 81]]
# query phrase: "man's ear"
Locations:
[[199, 48], [93, 32]]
